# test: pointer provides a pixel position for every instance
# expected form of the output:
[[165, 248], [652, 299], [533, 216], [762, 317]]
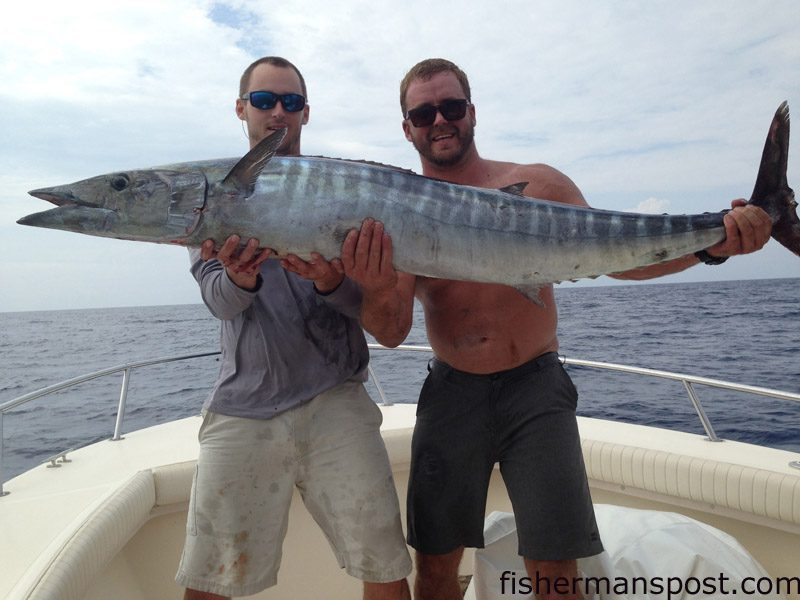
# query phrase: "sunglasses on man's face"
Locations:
[[267, 100], [425, 115]]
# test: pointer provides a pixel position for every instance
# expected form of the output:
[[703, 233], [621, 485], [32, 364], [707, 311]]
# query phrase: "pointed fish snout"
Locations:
[[47, 219], [56, 195], [29, 220]]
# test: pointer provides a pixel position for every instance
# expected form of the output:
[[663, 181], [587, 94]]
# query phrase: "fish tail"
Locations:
[[772, 191]]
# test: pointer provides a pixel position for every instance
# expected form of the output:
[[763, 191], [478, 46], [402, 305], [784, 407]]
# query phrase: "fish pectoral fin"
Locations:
[[531, 292], [243, 175], [515, 188]]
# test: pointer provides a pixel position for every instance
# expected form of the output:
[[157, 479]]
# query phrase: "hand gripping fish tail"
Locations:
[[772, 192]]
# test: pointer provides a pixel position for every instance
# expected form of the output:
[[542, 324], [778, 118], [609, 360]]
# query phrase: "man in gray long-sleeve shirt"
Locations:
[[289, 406]]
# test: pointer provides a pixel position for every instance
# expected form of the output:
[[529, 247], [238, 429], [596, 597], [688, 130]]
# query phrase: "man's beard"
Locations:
[[453, 158]]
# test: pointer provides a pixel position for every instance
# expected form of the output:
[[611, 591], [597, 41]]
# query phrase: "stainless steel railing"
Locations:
[[57, 387], [688, 381]]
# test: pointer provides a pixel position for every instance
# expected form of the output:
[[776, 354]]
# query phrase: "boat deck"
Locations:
[[87, 530]]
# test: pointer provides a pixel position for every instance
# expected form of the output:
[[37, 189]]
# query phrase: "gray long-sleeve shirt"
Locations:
[[283, 343]]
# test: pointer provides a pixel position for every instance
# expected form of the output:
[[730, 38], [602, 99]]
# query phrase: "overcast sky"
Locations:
[[648, 106]]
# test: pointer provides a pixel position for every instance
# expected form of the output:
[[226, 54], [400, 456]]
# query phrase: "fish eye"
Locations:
[[119, 182]]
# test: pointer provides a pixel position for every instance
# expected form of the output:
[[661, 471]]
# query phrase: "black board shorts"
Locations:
[[523, 418]]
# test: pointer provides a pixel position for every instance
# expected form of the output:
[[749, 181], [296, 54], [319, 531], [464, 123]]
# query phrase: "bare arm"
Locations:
[[388, 295], [747, 227]]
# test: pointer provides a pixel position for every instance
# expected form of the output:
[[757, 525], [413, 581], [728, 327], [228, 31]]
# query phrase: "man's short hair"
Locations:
[[428, 68], [275, 61]]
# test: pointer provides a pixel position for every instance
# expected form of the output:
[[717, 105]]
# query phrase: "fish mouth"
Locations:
[[60, 196], [71, 213]]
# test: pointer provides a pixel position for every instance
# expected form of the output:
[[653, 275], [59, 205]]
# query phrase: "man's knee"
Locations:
[[437, 566], [554, 578], [437, 576], [393, 590]]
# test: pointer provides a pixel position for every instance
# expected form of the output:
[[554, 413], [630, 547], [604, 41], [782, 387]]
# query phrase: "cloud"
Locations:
[[664, 99], [651, 206]]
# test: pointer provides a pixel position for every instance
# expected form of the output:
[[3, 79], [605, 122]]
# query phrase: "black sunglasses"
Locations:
[[266, 100], [425, 115]]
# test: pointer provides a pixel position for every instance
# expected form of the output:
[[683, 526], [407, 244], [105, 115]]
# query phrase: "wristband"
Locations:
[[704, 257]]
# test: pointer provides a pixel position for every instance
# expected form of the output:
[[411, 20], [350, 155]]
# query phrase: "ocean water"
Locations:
[[742, 331]]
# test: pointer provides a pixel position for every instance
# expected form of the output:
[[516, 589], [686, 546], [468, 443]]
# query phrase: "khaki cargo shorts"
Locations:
[[331, 450]]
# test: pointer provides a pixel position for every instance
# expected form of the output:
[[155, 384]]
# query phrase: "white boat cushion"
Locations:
[[748, 490], [174, 483], [94, 539]]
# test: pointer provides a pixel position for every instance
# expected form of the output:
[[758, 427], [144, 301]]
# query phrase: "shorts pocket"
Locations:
[[191, 517], [207, 417], [569, 386], [427, 395]]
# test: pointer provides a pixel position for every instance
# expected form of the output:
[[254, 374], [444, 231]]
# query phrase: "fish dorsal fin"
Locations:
[[244, 174], [515, 188]]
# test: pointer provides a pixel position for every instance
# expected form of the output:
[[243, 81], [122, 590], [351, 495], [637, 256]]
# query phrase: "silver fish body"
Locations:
[[304, 205], [301, 205]]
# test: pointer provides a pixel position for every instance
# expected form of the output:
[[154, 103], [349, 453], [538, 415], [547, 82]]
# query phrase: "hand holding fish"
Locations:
[[324, 274], [367, 257], [747, 229], [241, 263]]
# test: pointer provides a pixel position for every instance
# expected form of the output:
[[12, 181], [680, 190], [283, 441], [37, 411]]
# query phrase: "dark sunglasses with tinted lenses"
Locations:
[[267, 100], [425, 115]]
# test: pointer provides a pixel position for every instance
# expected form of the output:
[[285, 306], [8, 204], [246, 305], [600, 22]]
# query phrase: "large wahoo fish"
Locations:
[[301, 205]]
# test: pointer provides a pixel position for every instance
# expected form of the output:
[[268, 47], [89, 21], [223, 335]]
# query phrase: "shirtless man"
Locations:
[[496, 391]]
